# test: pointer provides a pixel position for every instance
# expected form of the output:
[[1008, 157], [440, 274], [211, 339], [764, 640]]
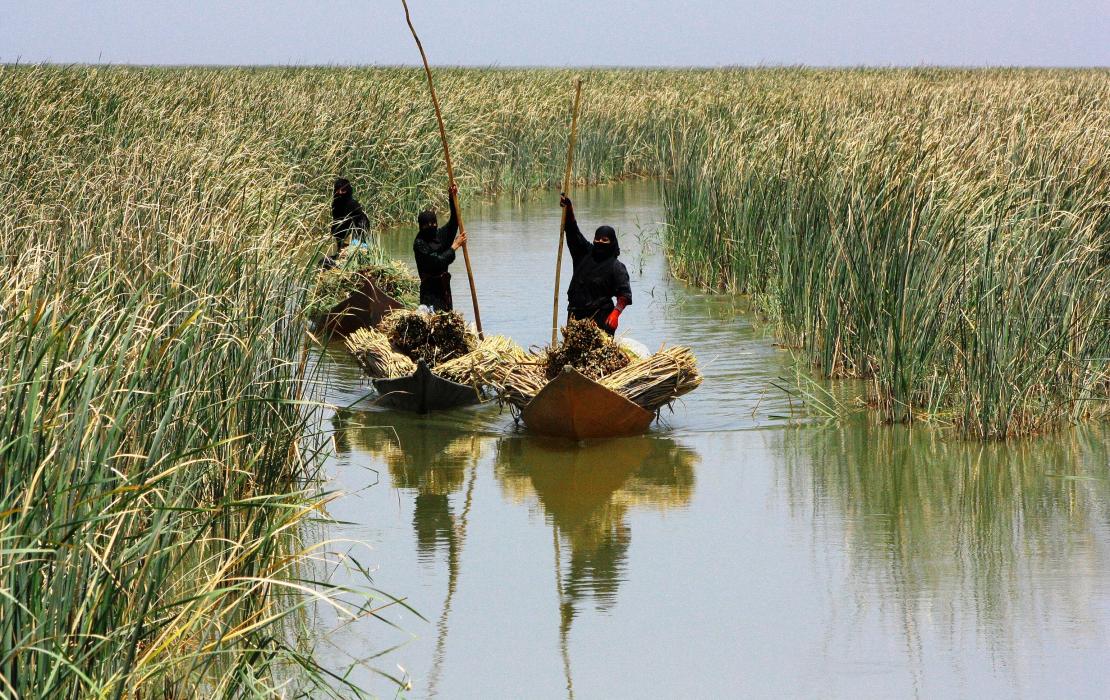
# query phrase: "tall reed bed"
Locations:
[[944, 235], [159, 466]]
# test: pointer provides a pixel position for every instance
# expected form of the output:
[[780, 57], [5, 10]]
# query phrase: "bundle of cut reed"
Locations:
[[587, 349], [486, 365], [520, 384], [375, 355], [434, 338], [353, 267], [656, 380], [651, 383]]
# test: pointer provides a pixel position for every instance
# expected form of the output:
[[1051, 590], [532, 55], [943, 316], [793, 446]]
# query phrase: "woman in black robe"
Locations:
[[434, 249], [598, 275], [348, 220]]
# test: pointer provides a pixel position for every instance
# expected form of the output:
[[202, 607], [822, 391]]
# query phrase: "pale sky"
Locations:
[[560, 32]]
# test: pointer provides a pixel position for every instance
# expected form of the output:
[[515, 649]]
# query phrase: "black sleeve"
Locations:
[[447, 232], [621, 286], [361, 222], [576, 242], [435, 261]]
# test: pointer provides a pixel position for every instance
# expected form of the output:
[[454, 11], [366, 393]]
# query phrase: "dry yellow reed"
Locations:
[[376, 356]]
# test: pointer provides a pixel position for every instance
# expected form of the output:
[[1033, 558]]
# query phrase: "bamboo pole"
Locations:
[[450, 169], [563, 221]]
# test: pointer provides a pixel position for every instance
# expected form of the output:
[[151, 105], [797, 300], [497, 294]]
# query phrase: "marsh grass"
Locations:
[[939, 234], [161, 464], [943, 235]]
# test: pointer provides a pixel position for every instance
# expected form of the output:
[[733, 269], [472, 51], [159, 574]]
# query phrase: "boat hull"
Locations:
[[364, 308], [576, 407], [422, 391]]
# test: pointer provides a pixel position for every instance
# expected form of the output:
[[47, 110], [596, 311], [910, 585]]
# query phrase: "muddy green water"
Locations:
[[737, 550]]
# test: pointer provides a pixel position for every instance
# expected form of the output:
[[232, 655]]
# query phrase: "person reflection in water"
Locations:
[[588, 493]]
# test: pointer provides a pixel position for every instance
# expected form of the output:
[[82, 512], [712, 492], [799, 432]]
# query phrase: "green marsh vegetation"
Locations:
[[967, 527], [941, 234]]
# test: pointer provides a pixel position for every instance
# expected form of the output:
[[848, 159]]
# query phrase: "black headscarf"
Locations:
[[343, 205], [610, 250], [427, 221]]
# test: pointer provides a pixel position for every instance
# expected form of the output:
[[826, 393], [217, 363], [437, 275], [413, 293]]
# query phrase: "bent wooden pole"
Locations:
[[563, 221], [450, 169]]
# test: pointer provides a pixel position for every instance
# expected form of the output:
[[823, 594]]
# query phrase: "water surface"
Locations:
[[736, 550]]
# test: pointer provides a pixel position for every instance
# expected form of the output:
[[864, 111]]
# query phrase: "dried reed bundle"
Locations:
[[434, 338], [407, 331], [657, 380], [353, 267], [448, 338], [586, 348], [375, 355], [486, 365], [520, 384], [651, 383]]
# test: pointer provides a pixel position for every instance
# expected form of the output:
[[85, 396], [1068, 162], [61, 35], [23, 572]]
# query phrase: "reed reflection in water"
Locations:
[[1008, 541]]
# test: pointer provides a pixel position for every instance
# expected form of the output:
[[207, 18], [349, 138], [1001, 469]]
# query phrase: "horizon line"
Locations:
[[600, 66]]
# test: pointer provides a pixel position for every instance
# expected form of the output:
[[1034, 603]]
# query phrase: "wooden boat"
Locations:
[[574, 406], [423, 391], [364, 308]]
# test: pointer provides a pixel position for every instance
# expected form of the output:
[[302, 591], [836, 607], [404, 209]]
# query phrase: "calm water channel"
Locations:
[[735, 551]]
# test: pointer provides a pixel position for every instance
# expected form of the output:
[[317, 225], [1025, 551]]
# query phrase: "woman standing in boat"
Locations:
[[435, 248], [598, 275]]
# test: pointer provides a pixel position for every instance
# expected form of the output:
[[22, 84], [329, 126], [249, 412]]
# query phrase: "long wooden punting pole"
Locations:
[[450, 169], [563, 221]]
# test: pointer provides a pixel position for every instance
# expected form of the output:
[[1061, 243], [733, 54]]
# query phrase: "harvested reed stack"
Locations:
[[658, 379], [448, 338], [396, 280], [354, 266], [651, 382], [521, 384], [376, 356], [586, 348], [433, 338], [486, 365], [407, 332]]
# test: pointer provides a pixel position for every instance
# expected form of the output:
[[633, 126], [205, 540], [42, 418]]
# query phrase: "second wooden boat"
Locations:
[[422, 391], [364, 308], [576, 407]]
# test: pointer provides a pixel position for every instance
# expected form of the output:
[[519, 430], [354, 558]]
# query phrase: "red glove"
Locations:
[[612, 320], [615, 315]]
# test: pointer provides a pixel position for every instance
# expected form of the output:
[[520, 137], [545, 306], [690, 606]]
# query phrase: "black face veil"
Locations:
[[611, 249], [427, 221]]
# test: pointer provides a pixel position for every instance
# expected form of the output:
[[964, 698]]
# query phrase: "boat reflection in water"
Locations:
[[587, 493], [433, 460]]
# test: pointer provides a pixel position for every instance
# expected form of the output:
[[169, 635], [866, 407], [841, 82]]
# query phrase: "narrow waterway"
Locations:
[[736, 550]]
